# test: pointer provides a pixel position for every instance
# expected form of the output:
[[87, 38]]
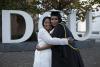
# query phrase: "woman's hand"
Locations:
[[70, 40], [38, 47], [43, 47]]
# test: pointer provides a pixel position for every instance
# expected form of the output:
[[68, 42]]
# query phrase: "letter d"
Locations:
[[6, 26]]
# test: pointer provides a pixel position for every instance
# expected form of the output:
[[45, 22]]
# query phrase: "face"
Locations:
[[54, 20], [47, 25]]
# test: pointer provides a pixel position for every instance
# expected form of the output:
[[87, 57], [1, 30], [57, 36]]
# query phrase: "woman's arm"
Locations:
[[50, 46], [45, 36]]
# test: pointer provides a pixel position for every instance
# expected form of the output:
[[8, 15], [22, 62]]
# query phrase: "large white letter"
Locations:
[[72, 21], [6, 26]]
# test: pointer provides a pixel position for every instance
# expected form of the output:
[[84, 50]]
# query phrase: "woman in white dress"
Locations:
[[42, 57]]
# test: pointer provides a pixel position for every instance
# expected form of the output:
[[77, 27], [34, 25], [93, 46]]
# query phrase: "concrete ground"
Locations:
[[90, 55], [16, 59]]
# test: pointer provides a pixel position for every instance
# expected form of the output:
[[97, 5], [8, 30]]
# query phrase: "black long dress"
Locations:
[[63, 55]]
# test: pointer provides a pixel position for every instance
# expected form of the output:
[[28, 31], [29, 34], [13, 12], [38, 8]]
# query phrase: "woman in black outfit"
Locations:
[[64, 55]]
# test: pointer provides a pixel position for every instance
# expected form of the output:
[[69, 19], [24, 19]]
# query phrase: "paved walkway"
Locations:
[[16, 59], [91, 57]]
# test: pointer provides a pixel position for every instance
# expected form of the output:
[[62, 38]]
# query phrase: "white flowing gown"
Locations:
[[43, 58]]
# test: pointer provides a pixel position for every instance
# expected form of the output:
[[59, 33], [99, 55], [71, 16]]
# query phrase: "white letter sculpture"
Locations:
[[6, 26], [72, 22]]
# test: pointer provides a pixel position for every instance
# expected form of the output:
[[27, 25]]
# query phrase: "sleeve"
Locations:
[[45, 36]]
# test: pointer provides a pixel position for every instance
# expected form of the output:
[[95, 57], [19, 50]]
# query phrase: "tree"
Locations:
[[39, 6], [64, 5]]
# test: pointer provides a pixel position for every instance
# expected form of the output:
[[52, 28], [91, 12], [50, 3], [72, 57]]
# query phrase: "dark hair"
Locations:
[[45, 19], [56, 13]]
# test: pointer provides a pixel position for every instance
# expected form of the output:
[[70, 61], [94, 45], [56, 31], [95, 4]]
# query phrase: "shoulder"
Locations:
[[42, 30], [59, 29], [59, 26], [41, 33]]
